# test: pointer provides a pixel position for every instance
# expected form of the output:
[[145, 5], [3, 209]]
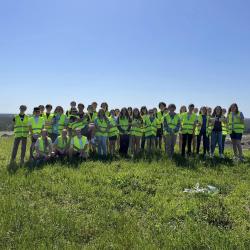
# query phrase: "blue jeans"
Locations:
[[102, 145], [216, 137]]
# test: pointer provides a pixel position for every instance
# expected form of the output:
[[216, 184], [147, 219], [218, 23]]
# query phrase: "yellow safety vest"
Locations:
[[77, 144], [235, 124], [36, 127], [172, 122], [21, 128], [48, 122], [41, 144], [137, 127], [61, 143], [102, 126], [187, 123], [150, 128], [113, 130]]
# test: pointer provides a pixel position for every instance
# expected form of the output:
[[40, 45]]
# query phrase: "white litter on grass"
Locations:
[[197, 189]]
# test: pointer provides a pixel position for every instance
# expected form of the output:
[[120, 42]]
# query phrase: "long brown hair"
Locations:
[[230, 108]]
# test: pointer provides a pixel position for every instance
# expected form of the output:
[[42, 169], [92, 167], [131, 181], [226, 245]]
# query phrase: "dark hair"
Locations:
[[171, 106], [182, 107], [126, 113], [98, 114], [105, 104], [214, 112], [143, 107], [136, 116], [230, 108], [48, 106], [202, 109], [162, 104], [191, 105], [36, 109]]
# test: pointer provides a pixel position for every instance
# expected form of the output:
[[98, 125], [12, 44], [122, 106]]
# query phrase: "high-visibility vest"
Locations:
[[113, 130], [150, 127], [93, 117], [21, 128], [172, 122], [48, 121], [235, 124], [137, 127], [76, 142], [36, 127], [41, 144], [62, 143], [79, 124], [187, 123], [199, 124], [61, 123], [102, 126], [107, 113], [224, 128], [124, 124], [209, 126], [160, 118]]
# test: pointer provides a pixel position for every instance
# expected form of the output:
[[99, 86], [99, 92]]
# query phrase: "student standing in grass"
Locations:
[[236, 126], [72, 106], [150, 128], [159, 117], [201, 131], [61, 144], [209, 128], [196, 112], [216, 136], [171, 126], [144, 114], [105, 107], [224, 129], [48, 117], [136, 131], [36, 124], [59, 122], [78, 145], [101, 128], [21, 132], [43, 147], [123, 123], [188, 123], [112, 132], [183, 110]]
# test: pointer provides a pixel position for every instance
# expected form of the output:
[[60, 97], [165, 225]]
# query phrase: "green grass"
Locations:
[[124, 204]]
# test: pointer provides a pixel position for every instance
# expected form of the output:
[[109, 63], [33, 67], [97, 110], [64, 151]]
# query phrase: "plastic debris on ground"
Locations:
[[197, 189]]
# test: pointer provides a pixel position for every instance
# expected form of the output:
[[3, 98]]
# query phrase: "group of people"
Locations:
[[77, 132]]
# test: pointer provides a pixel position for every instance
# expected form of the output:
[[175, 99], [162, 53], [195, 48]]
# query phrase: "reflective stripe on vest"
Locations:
[[113, 130], [137, 127], [76, 143], [21, 128], [62, 143], [102, 127], [36, 127], [124, 123], [172, 123], [41, 145], [235, 124], [150, 128], [188, 124]]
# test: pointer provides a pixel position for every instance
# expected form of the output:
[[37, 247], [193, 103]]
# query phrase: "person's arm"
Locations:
[[166, 127], [177, 128], [242, 118]]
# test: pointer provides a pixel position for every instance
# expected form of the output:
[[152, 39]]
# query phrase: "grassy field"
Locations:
[[124, 204]]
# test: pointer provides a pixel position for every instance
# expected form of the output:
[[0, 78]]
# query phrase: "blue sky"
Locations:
[[128, 53]]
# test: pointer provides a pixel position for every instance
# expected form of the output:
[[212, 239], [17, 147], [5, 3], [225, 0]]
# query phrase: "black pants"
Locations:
[[143, 142], [205, 143], [124, 144], [16, 145], [186, 140]]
